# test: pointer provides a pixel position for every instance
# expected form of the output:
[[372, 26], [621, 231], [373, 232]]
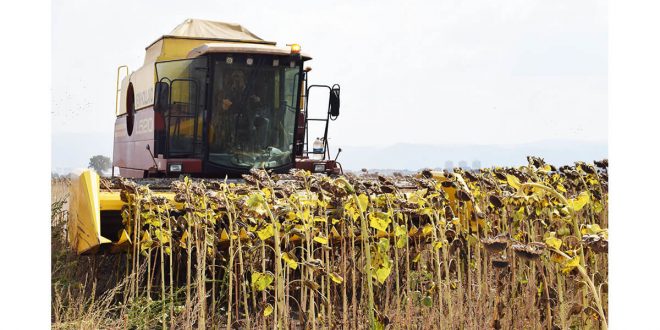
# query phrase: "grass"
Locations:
[[496, 248]]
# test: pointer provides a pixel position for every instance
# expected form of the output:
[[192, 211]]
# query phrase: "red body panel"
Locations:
[[131, 173], [130, 152], [188, 165]]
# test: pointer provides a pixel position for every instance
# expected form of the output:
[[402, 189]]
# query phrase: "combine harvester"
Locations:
[[212, 100]]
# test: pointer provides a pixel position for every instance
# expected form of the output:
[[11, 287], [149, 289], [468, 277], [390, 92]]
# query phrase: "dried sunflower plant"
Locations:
[[516, 247]]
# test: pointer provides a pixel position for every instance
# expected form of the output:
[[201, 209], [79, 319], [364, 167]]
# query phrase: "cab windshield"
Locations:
[[253, 110]]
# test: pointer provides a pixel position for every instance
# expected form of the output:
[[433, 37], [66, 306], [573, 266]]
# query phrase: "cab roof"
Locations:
[[244, 48]]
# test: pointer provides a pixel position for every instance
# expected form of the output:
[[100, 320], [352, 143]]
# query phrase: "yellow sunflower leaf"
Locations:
[[321, 240], [518, 236], [362, 202], [290, 216], [558, 258], [268, 310], [266, 192], [352, 211], [336, 278], [598, 207], [183, 242], [334, 233], [594, 229], [383, 272], [163, 237], [379, 221], [427, 229], [266, 233], [513, 181], [290, 260], [146, 241], [261, 281], [383, 244], [413, 230], [401, 242], [580, 201], [306, 215], [561, 188], [399, 230], [570, 264], [553, 242]]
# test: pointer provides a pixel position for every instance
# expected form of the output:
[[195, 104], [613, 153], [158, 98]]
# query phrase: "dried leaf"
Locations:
[[427, 301], [311, 285]]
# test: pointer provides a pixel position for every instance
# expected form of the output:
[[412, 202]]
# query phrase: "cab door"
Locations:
[[181, 94]]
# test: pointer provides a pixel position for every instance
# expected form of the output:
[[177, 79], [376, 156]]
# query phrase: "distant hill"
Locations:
[[417, 156], [72, 150]]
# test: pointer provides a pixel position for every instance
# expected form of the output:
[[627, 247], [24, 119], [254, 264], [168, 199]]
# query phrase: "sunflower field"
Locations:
[[505, 247]]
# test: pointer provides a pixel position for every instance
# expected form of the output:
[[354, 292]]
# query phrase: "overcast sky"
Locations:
[[423, 72]]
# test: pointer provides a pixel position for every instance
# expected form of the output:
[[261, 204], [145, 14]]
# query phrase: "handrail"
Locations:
[[326, 120], [117, 85]]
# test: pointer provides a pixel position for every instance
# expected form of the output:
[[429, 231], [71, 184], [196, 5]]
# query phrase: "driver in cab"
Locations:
[[235, 92], [236, 107]]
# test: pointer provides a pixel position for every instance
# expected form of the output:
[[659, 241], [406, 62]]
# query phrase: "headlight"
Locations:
[[319, 168], [175, 167]]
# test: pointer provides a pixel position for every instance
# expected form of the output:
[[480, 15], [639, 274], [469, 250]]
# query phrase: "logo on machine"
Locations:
[[145, 125], [144, 98]]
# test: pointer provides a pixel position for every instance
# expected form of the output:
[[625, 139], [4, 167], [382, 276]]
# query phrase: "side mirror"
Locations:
[[334, 101], [161, 96]]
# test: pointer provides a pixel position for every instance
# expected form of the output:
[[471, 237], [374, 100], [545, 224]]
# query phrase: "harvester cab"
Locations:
[[212, 100]]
